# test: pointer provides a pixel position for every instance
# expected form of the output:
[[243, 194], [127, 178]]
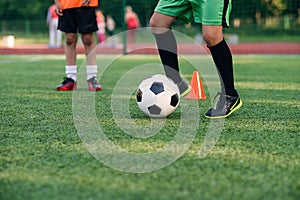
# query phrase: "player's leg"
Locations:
[[70, 50], [87, 25], [167, 48], [161, 23], [166, 44], [89, 46], [71, 68], [229, 99], [222, 57], [214, 19], [212, 35], [67, 25], [91, 63]]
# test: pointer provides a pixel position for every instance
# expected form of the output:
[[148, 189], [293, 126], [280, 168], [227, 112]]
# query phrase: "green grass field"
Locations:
[[42, 157]]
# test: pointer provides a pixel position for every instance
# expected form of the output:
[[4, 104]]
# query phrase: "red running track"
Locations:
[[241, 48]]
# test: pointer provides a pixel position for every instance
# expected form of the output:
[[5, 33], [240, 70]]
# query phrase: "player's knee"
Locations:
[[212, 36], [87, 39], [210, 39], [71, 39], [153, 22], [158, 26]]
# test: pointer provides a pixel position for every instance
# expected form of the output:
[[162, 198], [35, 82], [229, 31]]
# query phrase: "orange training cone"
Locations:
[[197, 88]]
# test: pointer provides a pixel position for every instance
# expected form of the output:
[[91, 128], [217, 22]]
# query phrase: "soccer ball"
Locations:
[[158, 96]]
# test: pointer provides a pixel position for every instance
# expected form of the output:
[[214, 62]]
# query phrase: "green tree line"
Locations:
[[37, 9]]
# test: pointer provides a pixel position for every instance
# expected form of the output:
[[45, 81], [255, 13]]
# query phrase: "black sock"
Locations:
[[223, 60], [167, 48]]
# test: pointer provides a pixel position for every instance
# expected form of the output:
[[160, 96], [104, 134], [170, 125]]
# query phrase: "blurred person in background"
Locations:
[[101, 26], [132, 21], [78, 16], [214, 16], [55, 35], [110, 25]]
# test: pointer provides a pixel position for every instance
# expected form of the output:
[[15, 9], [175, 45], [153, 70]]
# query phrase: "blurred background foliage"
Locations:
[[249, 17]]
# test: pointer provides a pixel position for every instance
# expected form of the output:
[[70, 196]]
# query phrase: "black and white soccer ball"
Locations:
[[158, 96]]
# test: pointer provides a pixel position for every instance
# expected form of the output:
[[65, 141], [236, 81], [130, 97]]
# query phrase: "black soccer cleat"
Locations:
[[93, 84], [67, 84], [184, 88], [225, 106]]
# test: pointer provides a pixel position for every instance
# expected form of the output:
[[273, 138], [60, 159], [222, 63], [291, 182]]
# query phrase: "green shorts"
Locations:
[[206, 12]]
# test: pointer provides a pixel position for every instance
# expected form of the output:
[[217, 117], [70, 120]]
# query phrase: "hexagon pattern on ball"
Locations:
[[158, 96]]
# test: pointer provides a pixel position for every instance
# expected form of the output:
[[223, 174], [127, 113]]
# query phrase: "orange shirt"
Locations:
[[66, 4]]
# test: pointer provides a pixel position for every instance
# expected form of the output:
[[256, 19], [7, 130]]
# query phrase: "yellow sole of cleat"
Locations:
[[186, 92], [224, 116]]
